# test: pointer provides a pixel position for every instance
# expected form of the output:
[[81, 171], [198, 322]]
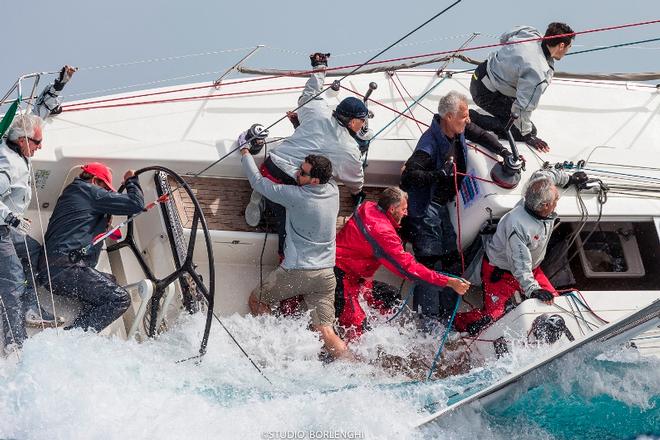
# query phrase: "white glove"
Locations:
[[242, 140], [20, 224]]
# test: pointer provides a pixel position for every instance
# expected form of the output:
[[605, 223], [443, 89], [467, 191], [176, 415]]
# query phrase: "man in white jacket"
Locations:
[[514, 77], [19, 252]]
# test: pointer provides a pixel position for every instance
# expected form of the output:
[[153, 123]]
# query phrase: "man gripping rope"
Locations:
[[513, 79], [83, 212], [368, 240], [513, 257]]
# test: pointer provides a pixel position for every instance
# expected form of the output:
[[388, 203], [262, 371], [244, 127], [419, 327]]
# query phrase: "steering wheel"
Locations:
[[194, 288]]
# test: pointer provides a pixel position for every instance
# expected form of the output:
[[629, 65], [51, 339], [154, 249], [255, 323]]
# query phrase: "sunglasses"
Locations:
[[35, 141], [302, 172]]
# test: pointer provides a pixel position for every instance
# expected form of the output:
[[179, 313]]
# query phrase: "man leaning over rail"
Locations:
[[513, 79], [428, 177], [368, 240], [309, 253], [82, 212], [19, 251], [514, 255]]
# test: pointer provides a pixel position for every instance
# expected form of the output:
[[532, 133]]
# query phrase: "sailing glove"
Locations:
[[447, 170], [536, 142], [319, 59], [20, 224], [542, 295], [255, 136], [65, 75]]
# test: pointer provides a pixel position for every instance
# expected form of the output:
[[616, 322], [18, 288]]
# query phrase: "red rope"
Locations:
[[386, 106], [187, 98], [445, 52], [483, 152]]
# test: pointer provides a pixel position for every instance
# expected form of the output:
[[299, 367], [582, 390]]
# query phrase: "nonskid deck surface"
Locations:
[[223, 201]]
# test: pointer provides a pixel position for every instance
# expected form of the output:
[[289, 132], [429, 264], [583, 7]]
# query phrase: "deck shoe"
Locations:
[[254, 209], [46, 319]]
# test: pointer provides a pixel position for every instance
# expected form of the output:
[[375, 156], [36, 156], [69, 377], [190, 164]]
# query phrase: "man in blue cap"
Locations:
[[322, 131]]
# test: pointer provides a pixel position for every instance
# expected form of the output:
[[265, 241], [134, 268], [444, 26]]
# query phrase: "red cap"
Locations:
[[100, 171]]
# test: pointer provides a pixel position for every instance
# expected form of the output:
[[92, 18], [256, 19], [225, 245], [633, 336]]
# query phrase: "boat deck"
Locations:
[[223, 201]]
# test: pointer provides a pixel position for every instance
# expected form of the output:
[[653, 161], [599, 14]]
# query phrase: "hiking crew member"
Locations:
[[309, 254], [513, 257], [18, 250], [358, 259], [428, 177], [83, 211], [514, 77], [322, 132]]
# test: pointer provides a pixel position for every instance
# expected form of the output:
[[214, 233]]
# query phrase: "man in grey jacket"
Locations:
[[322, 130], [513, 79], [309, 255], [514, 255]]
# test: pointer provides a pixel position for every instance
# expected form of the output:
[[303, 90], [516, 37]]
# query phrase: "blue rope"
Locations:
[[613, 46], [403, 306], [444, 337]]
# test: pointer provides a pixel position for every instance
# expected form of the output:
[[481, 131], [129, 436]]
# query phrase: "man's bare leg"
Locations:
[[333, 343], [257, 307]]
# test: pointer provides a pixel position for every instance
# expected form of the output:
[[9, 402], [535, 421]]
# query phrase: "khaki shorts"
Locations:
[[316, 286]]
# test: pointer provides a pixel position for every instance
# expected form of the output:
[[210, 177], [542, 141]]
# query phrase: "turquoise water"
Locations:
[[72, 385]]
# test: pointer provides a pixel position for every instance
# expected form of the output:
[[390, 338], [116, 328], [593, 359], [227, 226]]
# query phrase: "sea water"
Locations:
[[76, 385]]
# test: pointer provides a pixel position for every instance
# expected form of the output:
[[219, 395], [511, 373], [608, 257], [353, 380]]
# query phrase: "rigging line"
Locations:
[[613, 165], [341, 79], [399, 114], [396, 74], [184, 99], [624, 175], [148, 83], [45, 250], [369, 62], [444, 338], [156, 60], [391, 78], [490, 46], [392, 109], [11, 331], [414, 43], [595, 49]]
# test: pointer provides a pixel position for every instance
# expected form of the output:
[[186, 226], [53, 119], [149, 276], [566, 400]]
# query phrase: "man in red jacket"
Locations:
[[368, 240]]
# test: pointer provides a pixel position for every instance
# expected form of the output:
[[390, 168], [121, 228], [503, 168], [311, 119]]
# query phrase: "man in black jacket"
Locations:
[[428, 178], [82, 213]]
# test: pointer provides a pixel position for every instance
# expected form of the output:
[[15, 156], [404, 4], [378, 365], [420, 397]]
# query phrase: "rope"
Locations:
[[403, 305], [612, 46], [410, 96], [405, 103], [357, 67], [444, 338], [157, 60], [369, 62]]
